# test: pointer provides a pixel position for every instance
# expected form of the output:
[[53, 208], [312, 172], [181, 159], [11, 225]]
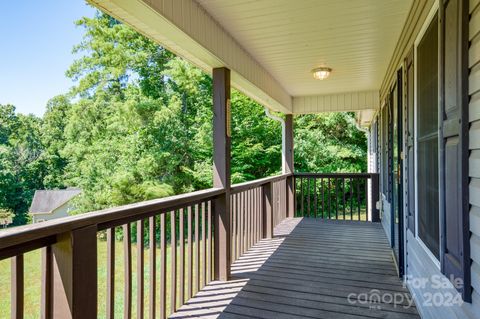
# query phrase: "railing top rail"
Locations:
[[334, 175], [237, 188], [104, 218]]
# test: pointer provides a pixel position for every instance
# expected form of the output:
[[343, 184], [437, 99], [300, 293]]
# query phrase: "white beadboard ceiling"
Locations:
[[356, 38]]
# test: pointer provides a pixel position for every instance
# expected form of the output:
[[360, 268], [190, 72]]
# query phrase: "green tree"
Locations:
[[21, 168], [329, 142], [138, 126]]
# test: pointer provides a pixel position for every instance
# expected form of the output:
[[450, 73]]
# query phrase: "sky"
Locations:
[[36, 41]]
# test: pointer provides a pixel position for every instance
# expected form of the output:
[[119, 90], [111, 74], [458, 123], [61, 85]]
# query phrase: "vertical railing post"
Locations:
[[289, 167], [221, 171], [75, 274], [375, 197], [267, 211]]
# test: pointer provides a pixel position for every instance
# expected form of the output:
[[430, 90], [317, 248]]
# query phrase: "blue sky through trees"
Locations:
[[36, 41]]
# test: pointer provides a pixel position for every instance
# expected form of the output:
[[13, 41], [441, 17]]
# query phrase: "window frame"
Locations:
[[432, 13]]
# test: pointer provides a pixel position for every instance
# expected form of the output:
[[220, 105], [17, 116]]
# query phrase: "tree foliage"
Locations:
[[138, 125]]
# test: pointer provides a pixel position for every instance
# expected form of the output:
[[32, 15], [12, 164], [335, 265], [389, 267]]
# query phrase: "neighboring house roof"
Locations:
[[45, 201]]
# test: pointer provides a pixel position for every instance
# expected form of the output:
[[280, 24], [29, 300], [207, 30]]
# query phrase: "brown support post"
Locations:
[[221, 171], [75, 274], [290, 192], [375, 197], [267, 213]]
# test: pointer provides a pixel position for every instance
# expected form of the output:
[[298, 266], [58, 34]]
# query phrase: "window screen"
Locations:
[[427, 138]]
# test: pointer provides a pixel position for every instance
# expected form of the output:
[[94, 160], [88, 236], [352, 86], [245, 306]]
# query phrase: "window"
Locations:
[[427, 138], [384, 145]]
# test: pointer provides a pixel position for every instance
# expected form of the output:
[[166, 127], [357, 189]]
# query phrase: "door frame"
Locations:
[[397, 199]]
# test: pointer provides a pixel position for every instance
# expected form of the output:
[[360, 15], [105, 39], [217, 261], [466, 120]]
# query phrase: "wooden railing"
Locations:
[[178, 229], [155, 254], [256, 208], [164, 249], [338, 196]]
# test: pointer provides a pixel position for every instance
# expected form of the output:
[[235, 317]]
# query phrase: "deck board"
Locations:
[[308, 270]]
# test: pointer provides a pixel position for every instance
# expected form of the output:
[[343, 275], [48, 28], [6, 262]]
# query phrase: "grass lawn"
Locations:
[[33, 282]]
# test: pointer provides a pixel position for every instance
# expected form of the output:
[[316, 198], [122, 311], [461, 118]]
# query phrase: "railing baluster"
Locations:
[[127, 260], [366, 199], [189, 253], [308, 197], [302, 214], [209, 241], [252, 212], [173, 262], [197, 250], [181, 288], [343, 196], [252, 217], [249, 214], [242, 223], [254, 226], [323, 198], [315, 206], [163, 268], [152, 267], [239, 227], [336, 198], [256, 221], [110, 273], [358, 198], [47, 291], [258, 215], [140, 272], [233, 231], [248, 205], [351, 198], [17, 287], [204, 248], [329, 199]]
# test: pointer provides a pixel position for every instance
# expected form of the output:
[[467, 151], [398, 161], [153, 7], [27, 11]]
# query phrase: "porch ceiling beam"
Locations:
[[186, 29], [338, 102]]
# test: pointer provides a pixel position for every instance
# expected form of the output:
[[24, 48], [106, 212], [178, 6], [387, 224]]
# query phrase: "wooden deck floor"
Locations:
[[311, 269]]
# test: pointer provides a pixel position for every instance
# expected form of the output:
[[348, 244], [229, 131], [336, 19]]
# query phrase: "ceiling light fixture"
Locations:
[[321, 73]]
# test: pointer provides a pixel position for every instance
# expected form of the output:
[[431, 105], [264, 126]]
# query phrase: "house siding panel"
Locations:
[[418, 263], [349, 101], [474, 145], [386, 219]]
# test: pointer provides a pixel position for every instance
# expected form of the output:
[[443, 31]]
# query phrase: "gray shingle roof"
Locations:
[[45, 201]]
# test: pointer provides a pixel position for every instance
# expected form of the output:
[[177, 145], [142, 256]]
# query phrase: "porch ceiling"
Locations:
[[271, 46], [290, 38]]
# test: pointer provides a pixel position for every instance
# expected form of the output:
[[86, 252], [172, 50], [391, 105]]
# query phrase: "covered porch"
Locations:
[[295, 245]]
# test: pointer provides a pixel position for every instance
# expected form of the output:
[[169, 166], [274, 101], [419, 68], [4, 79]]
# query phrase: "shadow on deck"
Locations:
[[310, 269]]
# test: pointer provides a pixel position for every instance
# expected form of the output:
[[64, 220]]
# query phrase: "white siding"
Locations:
[[348, 101], [386, 218], [474, 145], [62, 211], [420, 265]]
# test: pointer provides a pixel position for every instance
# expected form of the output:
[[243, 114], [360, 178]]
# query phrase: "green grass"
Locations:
[[32, 261]]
